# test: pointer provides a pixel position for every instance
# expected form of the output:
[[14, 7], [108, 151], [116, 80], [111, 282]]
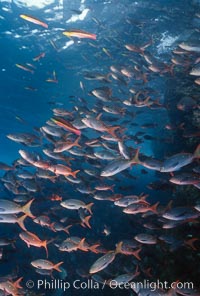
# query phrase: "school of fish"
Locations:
[[69, 184]]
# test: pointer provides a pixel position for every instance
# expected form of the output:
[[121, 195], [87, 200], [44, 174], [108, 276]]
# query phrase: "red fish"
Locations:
[[33, 240], [66, 125], [38, 57], [79, 34], [33, 20], [24, 68]]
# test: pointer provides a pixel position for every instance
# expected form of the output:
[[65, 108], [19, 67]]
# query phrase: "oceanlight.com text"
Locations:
[[150, 285]]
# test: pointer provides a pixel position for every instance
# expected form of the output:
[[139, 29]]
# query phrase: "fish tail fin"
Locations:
[[81, 245], [197, 152], [53, 179], [56, 267], [108, 76], [93, 248], [147, 99], [89, 206], [13, 244], [20, 221], [112, 187], [150, 42], [17, 283], [82, 224], [171, 69], [190, 243], [86, 221], [123, 111], [145, 78], [141, 50], [74, 173], [66, 229], [147, 271], [136, 157], [111, 130], [169, 205], [52, 239], [68, 159], [154, 208], [157, 102], [26, 209], [44, 244], [51, 226], [76, 142], [136, 253], [119, 248], [137, 272], [172, 291]]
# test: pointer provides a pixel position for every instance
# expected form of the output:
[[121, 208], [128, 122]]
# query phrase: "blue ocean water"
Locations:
[[32, 87]]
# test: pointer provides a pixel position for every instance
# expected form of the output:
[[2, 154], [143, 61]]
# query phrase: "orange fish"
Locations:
[[47, 265], [24, 68], [56, 197], [33, 240], [37, 58], [33, 20], [60, 169], [66, 125], [11, 288], [79, 34]]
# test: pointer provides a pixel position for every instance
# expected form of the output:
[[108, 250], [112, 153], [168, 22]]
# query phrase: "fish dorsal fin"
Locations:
[[99, 116], [119, 248]]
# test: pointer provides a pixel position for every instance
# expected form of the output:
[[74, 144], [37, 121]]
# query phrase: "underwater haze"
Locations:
[[100, 147]]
